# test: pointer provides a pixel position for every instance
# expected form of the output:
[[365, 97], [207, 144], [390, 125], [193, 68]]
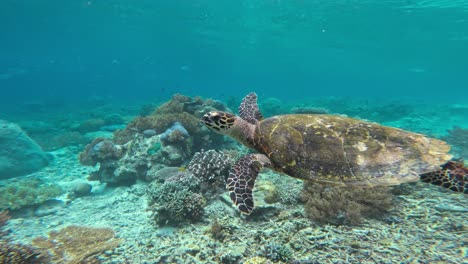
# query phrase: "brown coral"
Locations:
[[4, 217], [344, 205], [75, 244], [180, 108], [100, 150], [162, 122], [20, 254]]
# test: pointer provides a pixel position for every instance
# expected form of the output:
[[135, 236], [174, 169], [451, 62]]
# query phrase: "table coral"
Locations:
[[20, 254], [75, 244]]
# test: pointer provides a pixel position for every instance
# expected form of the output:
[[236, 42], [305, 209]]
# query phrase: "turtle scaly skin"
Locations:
[[338, 150], [333, 150]]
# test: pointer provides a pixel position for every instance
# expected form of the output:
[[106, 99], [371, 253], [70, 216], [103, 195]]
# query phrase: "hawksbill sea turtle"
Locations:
[[331, 149]]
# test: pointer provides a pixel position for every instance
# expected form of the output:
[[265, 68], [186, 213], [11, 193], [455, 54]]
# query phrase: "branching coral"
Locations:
[[344, 205], [75, 244], [458, 137], [177, 200], [278, 252]]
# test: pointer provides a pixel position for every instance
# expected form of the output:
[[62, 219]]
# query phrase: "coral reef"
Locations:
[[178, 137], [174, 134], [137, 150], [182, 109], [221, 229], [458, 137], [19, 154], [177, 200], [270, 191], [27, 192], [20, 254], [344, 205], [257, 260], [118, 165], [14, 252], [4, 217], [76, 244], [278, 252], [211, 167], [101, 150]]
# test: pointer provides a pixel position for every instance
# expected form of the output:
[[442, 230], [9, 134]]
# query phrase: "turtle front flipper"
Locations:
[[453, 175], [241, 180], [248, 109]]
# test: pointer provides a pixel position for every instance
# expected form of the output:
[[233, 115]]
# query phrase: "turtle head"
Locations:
[[219, 121], [230, 125]]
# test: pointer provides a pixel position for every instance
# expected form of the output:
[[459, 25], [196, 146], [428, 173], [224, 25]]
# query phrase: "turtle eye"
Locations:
[[216, 118]]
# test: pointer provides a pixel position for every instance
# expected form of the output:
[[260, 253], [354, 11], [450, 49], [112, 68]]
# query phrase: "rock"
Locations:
[[19, 154], [162, 174], [149, 133], [82, 189], [49, 207], [269, 191], [451, 208]]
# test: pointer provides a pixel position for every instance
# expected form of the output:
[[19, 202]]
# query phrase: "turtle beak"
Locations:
[[211, 120]]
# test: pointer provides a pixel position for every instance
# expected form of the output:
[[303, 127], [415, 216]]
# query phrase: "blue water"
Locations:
[[66, 51], [81, 145]]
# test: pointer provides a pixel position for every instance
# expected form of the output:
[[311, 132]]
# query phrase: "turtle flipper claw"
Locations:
[[241, 180], [453, 175]]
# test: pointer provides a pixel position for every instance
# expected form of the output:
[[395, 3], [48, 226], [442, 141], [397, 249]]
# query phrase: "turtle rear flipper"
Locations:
[[248, 109], [453, 175], [241, 180]]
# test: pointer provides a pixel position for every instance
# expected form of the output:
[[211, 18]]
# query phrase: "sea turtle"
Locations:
[[331, 149]]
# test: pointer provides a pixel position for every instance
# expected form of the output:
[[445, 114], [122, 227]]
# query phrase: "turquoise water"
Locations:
[[71, 50], [103, 157]]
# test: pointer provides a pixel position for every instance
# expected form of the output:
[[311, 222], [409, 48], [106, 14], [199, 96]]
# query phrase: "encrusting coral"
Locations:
[[76, 244], [344, 205]]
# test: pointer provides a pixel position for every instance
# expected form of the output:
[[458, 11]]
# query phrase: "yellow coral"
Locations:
[[257, 260]]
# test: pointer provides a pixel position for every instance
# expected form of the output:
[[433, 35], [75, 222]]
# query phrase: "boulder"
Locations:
[[19, 154]]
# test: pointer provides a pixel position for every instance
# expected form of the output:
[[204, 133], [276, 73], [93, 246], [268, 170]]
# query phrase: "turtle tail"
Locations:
[[452, 175]]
